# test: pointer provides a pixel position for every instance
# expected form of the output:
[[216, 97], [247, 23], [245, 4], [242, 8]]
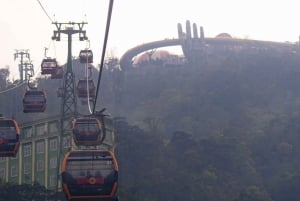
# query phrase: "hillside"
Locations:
[[225, 92], [225, 128]]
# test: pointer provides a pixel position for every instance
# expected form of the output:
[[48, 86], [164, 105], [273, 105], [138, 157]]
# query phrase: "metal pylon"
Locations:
[[69, 100]]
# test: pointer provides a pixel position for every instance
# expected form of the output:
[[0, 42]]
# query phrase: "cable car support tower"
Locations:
[[25, 67], [69, 101]]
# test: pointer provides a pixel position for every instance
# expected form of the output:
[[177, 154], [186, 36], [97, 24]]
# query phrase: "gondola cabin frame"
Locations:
[[86, 88], [9, 137], [86, 56], [34, 101], [48, 66], [89, 175], [88, 131]]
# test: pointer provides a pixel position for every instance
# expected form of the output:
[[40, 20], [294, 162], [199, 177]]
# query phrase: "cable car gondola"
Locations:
[[9, 137], [34, 101], [57, 73], [85, 84], [89, 175], [86, 56], [88, 131], [48, 66]]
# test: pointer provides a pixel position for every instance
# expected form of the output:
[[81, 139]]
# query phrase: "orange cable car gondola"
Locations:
[[89, 131], [85, 86], [48, 66], [86, 56], [89, 175], [34, 101], [9, 137]]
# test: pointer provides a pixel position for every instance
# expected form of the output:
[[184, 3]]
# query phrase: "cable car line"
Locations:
[[44, 10], [7, 90], [87, 86], [86, 57], [80, 180], [103, 51], [85, 123]]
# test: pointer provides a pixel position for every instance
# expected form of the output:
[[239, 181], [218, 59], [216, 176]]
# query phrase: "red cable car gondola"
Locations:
[[9, 137], [34, 101], [84, 86], [88, 131], [89, 175], [48, 66], [86, 56]]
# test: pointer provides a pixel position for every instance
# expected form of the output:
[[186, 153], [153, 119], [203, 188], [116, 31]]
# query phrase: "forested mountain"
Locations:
[[222, 129]]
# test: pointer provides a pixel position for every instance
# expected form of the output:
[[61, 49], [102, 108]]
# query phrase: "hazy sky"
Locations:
[[24, 25]]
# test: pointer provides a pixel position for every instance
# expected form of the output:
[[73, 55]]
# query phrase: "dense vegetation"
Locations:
[[222, 129]]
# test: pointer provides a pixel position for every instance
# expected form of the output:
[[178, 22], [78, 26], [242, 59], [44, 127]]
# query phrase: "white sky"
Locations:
[[24, 25]]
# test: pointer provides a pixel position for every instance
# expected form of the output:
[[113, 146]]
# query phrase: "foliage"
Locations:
[[26, 192], [223, 128]]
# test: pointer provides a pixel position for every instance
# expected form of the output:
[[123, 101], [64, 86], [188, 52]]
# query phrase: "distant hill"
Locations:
[[224, 128], [225, 91]]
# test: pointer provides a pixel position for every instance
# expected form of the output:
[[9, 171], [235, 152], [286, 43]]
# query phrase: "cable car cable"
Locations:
[[87, 85], [103, 51], [87, 80], [44, 11], [54, 48], [22, 83]]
